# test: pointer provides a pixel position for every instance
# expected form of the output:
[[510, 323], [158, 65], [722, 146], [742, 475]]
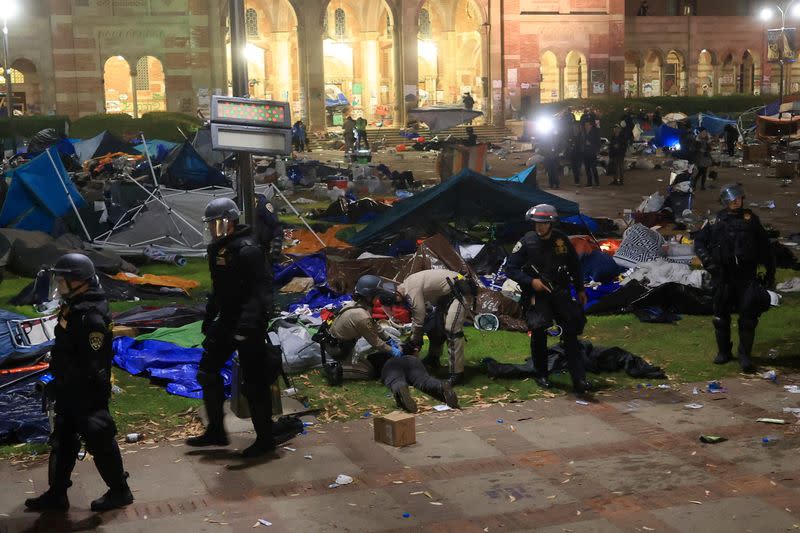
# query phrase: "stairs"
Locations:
[[485, 133]]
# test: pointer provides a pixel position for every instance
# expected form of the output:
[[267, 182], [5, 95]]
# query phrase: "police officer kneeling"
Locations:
[[81, 368], [396, 371], [731, 248], [544, 263], [237, 313]]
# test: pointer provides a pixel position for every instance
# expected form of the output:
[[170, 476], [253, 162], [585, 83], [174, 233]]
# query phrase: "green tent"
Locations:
[[466, 196]]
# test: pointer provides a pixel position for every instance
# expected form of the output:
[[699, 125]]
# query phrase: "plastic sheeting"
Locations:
[[187, 336], [299, 351], [102, 144], [22, 338], [21, 417], [320, 297], [168, 362]]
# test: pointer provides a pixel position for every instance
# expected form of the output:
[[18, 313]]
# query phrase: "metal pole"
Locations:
[[9, 93], [244, 182]]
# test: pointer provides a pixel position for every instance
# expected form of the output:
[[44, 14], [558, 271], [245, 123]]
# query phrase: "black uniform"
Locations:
[[551, 150], [269, 231], [81, 367], [557, 264], [731, 248], [239, 306]]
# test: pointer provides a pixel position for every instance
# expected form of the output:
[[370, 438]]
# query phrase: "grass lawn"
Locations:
[[685, 350]]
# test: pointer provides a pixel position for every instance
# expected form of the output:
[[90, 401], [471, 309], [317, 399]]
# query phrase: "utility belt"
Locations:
[[461, 288]]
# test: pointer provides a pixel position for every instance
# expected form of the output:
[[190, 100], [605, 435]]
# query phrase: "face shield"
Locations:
[[215, 229], [49, 286]]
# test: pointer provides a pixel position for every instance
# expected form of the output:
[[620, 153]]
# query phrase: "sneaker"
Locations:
[[49, 501], [113, 499], [404, 400]]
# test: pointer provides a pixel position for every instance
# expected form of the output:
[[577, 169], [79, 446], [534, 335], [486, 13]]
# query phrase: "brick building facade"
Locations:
[[79, 57]]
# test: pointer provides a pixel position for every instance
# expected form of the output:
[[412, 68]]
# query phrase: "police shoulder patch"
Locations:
[[270, 208], [517, 247], [96, 339], [747, 216]]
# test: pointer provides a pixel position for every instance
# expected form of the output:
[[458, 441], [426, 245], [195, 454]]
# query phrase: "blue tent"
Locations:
[[714, 124], [184, 168], [520, 177], [100, 145], [157, 148], [466, 196], [666, 136], [37, 198]]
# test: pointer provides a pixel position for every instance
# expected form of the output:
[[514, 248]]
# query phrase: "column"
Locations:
[[370, 72], [495, 51], [449, 69], [134, 94], [562, 72], [409, 66], [281, 75], [312, 68]]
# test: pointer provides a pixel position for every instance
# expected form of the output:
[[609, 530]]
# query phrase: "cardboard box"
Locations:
[[396, 429], [124, 331], [755, 152]]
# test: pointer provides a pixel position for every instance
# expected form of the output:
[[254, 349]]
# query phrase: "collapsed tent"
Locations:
[[527, 176], [441, 118], [23, 339], [201, 142], [666, 136], [467, 196], [154, 146], [102, 144], [40, 196], [185, 168], [21, 416], [713, 123]]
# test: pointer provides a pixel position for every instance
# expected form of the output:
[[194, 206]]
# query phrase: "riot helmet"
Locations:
[[219, 213], [731, 192], [54, 282], [542, 213], [369, 287]]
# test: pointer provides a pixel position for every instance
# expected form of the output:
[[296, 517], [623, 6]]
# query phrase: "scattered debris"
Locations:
[[771, 420], [693, 406]]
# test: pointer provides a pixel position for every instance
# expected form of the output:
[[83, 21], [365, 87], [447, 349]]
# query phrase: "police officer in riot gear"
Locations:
[[236, 318], [396, 370], [731, 248], [268, 229], [545, 263], [81, 368]]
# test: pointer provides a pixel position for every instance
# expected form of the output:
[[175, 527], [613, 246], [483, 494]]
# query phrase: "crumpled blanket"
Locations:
[[655, 273]]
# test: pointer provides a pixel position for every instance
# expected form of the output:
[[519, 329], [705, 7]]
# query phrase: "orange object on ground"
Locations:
[[32, 368], [161, 281], [400, 147], [309, 244], [610, 246]]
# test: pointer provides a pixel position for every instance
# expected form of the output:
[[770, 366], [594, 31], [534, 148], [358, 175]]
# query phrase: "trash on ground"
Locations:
[[442, 407], [715, 387], [793, 389], [693, 406], [581, 402], [712, 439], [341, 479], [771, 420]]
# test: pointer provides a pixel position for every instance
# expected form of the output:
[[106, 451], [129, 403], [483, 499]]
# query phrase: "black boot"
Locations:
[[213, 399], [404, 400], [722, 332], [50, 500], [261, 416], [747, 336], [116, 497], [543, 381], [432, 361], [582, 387]]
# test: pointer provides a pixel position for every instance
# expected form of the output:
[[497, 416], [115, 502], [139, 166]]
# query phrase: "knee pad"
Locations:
[[721, 322], [747, 323]]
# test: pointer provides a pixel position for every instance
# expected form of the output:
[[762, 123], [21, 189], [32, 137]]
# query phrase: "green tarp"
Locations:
[[188, 336], [466, 196]]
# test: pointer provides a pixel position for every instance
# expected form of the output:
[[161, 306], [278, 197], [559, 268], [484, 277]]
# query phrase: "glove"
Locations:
[[396, 351]]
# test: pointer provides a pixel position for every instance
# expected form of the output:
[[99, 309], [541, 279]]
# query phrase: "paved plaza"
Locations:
[[630, 462]]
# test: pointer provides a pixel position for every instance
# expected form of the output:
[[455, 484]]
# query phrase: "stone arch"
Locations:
[[576, 75], [706, 65], [549, 75], [674, 73], [728, 69], [27, 82], [118, 86], [652, 70], [633, 68], [150, 85]]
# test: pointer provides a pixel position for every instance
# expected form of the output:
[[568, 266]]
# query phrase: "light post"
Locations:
[[239, 82], [791, 8], [8, 9]]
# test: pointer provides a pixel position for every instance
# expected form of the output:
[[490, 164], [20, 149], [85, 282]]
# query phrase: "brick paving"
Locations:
[[630, 462]]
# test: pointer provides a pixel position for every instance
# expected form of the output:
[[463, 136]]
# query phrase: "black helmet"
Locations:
[[542, 213], [74, 267], [221, 208], [370, 287], [731, 192]]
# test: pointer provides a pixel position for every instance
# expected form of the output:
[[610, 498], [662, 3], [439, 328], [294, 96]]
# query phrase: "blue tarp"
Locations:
[[21, 417], [519, 177], [157, 149], [36, 197], [167, 362], [309, 266], [666, 136], [319, 297], [184, 168], [587, 222], [714, 124], [100, 145]]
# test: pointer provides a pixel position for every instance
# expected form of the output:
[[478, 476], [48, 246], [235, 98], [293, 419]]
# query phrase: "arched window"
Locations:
[[340, 21], [142, 75], [251, 22], [424, 24]]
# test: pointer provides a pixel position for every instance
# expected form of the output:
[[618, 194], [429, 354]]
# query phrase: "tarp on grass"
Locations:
[[466, 196], [37, 199], [21, 417]]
